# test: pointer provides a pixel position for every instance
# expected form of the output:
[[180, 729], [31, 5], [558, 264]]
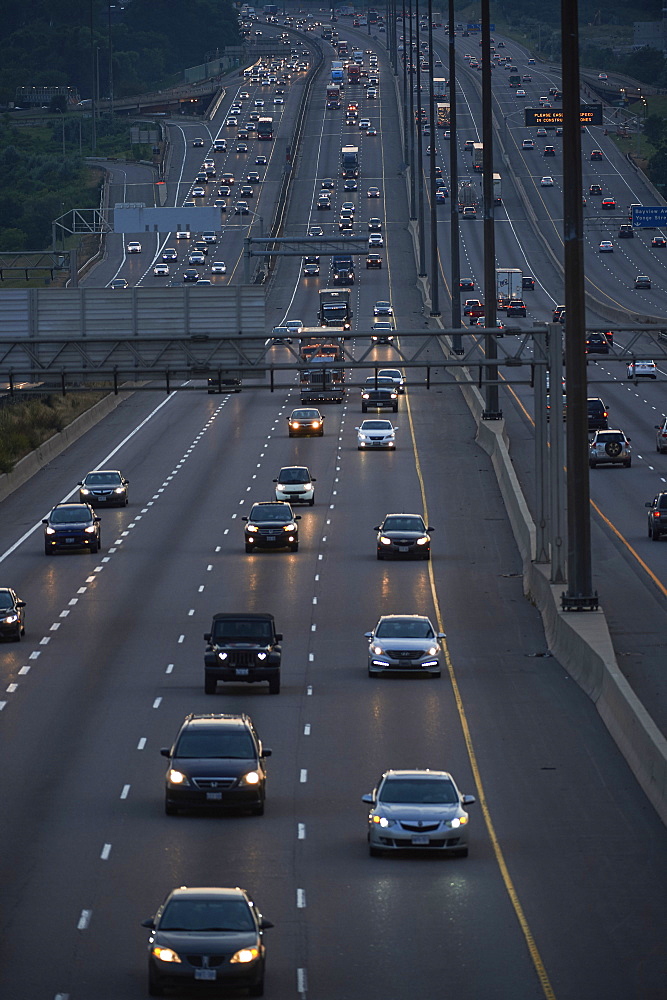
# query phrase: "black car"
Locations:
[[305, 421], [169, 254], [467, 284], [242, 647], [216, 761], [106, 487], [403, 536], [272, 525], [72, 526], [528, 282], [12, 615], [657, 516], [206, 935], [597, 343], [379, 397], [191, 274], [597, 414]]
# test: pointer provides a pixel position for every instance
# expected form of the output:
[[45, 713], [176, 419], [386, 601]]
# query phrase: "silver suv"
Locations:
[[406, 643], [610, 447]]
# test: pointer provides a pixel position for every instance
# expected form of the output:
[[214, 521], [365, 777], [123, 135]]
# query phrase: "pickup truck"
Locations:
[[473, 308], [379, 397]]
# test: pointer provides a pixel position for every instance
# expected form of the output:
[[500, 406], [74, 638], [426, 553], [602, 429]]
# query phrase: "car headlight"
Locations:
[[119, 489], [245, 955], [177, 777], [377, 650], [252, 527], [90, 530], [458, 821], [84, 490], [289, 527], [384, 540], [50, 531], [262, 656], [165, 954], [10, 619], [251, 778], [364, 395], [383, 821], [222, 656], [432, 651], [423, 540], [295, 424]]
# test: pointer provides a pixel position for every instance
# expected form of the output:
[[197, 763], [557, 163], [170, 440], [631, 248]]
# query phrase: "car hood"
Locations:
[[403, 534], [71, 526], [416, 813], [413, 644], [229, 767], [206, 943], [271, 524]]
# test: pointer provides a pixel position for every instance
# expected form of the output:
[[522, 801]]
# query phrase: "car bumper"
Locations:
[[305, 496], [384, 664], [70, 541], [396, 839], [408, 551], [225, 798], [231, 976], [278, 541], [104, 499], [10, 631], [306, 432], [370, 445]]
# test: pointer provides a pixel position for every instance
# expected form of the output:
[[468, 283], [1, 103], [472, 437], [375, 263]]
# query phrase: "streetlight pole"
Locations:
[[413, 193], [405, 95], [435, 276], [457, 345], [420, 154], [110, 7]]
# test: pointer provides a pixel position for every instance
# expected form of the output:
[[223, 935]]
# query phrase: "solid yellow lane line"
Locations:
[[533, 950]]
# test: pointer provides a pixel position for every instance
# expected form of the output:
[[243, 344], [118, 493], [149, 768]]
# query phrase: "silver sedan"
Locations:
[[419, 810], [404, 643]]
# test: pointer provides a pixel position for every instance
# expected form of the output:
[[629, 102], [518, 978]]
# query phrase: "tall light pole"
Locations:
[[413, 179], [110, 7], [492, 410], [420, 154], [457, 347], [435, 276]]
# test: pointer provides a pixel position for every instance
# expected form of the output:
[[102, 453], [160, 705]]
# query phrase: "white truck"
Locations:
[[497, 189], [440, 88], [509, 285], [468, 194]]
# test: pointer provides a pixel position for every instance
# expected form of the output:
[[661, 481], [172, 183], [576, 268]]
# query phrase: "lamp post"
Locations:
[[420, 162], [110, 7], [435, 289], [247, 241]]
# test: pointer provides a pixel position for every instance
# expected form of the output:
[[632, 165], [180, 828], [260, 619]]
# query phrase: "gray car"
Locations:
[[404, 643], [610, 447], [419, 810], [206, 935]]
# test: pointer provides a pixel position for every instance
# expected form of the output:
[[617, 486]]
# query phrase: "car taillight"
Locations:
[[656, 513]]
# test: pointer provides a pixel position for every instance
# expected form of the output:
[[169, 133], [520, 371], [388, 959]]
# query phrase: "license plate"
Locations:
[[214, 796], [101, 499], [270, 538], [420, 840], [68, 541], [241, 671], [208, 974], [403, 548]]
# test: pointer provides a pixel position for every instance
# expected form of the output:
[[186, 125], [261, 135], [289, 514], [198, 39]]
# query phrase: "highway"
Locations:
[[562, 895]]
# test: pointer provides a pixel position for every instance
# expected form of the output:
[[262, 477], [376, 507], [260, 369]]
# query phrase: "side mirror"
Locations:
[[368, 635], [376, 528], [297, 517], [165, 752], [21, 604], [368, 798], [207, 636], [149, 922], [313, 479], [266, 752], [275, 480], [45, 521], [430, 528], [244, 518], [97, 519], [264, 924], [278, 637], [442, 635], [80, 484], [469, 800]]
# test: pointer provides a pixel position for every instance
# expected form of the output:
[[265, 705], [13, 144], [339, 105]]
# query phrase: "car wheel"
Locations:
[[380, 555], [93, 548], [274, 686], [257, 990], [294, 547], [463, 853], [210, 684], [374, 852], [248, 548], [426, 556], [170, 809], [258, 810], [437, 676], [628, 463], [364, 409], [155, 988], [47, 549], [655, 535], [311, 503]]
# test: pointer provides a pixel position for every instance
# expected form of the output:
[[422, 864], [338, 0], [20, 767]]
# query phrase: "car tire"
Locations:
[[311, 503], [463, 853], [628, 464], [374, 852], [210, 684], [294, 547], [155, 988], [274, 686], [248, 548], [380, 555], [427, 556], [170, 809], [655, 535], [47, 549], [436, 676], [257, 990], [93, 548], [258, 810], [364, 409]]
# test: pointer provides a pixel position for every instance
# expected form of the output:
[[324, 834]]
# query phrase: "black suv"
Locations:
[[271, 525], [243, 647], [657, 516], [597, 414], [215, 761], [72, 526]]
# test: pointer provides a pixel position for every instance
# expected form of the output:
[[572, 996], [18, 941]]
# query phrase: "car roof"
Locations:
[[207, 892], [212, 720], [425, 772], [388, 618], [235, 615], [304, 467]]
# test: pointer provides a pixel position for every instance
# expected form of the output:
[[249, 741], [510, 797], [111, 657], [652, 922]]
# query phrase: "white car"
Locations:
[[218, 267], [642, 369], [295, 485], [420, 810], [395, 375], [547, 182], [259, 104], [278, 100], [133, 247], [198, 192], [161, 269], [528, 144], [520, 93], [383, 332], [383, 308], [446, 134], [220, 145], [376, 434], [365, 123], [183, 234], [375, 240], [295, 326], [606, 246]]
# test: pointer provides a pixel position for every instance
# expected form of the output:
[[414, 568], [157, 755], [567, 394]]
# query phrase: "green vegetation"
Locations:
[[25, 426]]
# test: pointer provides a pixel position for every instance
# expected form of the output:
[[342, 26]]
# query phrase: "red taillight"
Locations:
[[605, 414], [656, 513]]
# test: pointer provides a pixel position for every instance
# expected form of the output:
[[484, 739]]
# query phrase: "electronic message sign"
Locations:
[[591, 114]]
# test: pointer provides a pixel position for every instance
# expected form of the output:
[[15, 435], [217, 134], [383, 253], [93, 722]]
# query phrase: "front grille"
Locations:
[[417, 828], [271, 531], [404, 541], [206, 961], [241, 658], [213, 784], [404, 654]]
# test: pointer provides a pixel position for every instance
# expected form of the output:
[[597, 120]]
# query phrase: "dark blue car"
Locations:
[[72, 526]]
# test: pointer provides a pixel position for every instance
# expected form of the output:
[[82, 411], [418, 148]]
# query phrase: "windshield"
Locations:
[[207, 915], [214, 744], [242, 630], [70, 515], [306, 415], [294, 476], [269, 513], [405, 628], [420, 791], [403, 524], [102, 479], [6, 599], [376, 425]]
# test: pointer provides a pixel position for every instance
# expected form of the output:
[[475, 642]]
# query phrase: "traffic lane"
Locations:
[[125, 652], [506, 689]]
